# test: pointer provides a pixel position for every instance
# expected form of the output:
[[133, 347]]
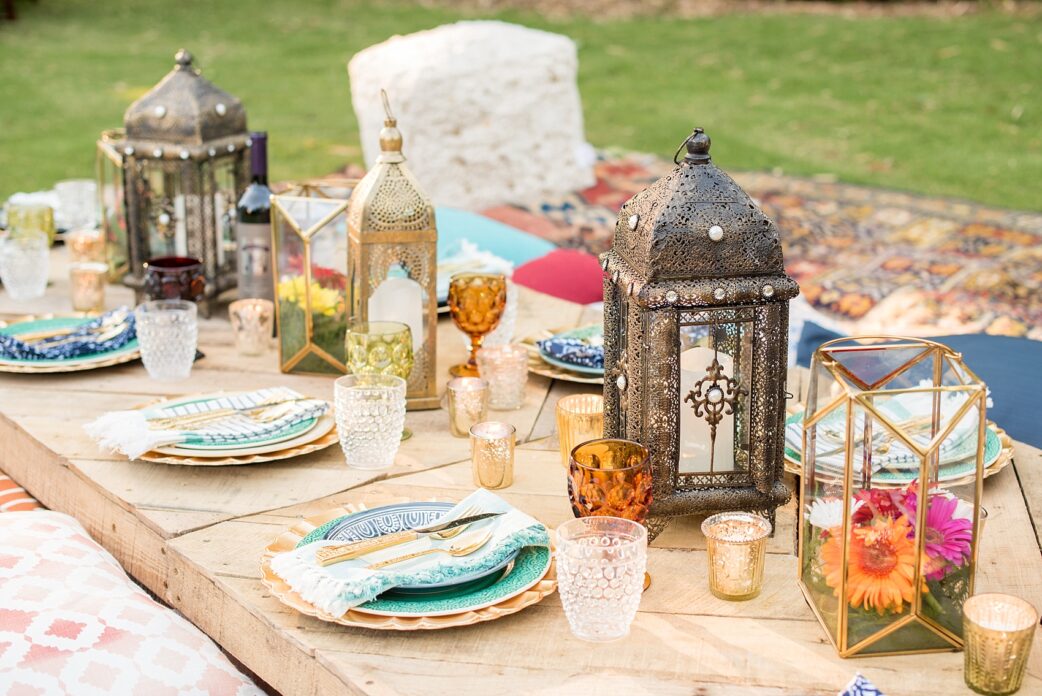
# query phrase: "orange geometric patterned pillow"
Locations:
[[72, 622], [13, 497]]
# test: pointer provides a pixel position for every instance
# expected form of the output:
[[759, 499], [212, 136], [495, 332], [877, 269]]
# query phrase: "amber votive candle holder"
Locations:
[[252, 324], [580, 417], [467, 403], [997, 631], [86, 246], [737, 545], [492, 454], [87, 286]]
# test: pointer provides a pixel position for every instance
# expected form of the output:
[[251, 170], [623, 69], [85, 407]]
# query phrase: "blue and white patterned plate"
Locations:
[[586, 343], [125, 353], [388, 519]]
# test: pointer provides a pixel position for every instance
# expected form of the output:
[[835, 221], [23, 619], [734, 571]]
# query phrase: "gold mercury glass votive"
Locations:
[[737, 544], [87, 286], [505, 368], [86, 246], [467, 403], [997, 630], [580, 418], [252, 323], [492, 454]]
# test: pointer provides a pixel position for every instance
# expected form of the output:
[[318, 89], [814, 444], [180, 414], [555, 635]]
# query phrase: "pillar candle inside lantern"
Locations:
[[400, 299]]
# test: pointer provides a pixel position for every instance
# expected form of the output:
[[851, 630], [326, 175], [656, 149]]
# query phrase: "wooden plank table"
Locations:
[[193, 536]]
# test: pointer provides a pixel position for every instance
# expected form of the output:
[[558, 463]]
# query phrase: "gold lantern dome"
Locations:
[[695, 341], [392, 257]]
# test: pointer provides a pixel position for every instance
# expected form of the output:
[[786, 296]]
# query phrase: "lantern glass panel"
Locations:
[[310, 252], [715, 373], [112, 199], [224, 202], [893, 459]]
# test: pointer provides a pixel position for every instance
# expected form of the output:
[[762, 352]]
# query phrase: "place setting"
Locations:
[[572, 355], [68, 343]]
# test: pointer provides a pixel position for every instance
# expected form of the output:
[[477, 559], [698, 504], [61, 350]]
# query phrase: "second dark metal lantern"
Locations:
[[695, 341]]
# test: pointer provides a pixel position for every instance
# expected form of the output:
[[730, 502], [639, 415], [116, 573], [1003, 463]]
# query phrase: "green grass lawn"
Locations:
[[950, 107]]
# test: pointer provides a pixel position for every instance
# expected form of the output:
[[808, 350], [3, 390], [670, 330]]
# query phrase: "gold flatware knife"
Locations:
[[328, 555]]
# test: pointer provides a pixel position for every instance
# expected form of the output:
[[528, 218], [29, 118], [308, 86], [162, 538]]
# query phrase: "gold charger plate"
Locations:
[[287, 541], [1001, 462], [538, 366], [322, 435], [73, 365]]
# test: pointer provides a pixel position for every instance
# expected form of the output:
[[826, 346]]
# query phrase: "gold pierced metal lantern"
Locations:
[[392, 258], [173, 175], [695, 341]]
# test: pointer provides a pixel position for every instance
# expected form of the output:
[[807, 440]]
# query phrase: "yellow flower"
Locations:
[[323, 300]]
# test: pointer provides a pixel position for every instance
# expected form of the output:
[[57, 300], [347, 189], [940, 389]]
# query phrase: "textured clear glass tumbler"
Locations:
[[370, 415], [997, 630], [600, 575], [505, 368], [580, 418], [167, 333], [24, 265]]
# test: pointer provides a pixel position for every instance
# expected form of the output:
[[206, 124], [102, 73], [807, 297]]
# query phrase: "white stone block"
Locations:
[[490, 112]]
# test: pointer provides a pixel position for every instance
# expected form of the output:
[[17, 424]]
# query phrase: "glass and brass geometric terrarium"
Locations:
[[309, 230], [894, 440]]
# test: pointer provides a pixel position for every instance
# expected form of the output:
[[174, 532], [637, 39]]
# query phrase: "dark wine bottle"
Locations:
[[253, 228]]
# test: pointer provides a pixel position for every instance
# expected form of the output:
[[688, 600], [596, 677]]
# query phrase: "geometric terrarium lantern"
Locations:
[[183, 156], [695, 341], [893, 452], [309, 229]]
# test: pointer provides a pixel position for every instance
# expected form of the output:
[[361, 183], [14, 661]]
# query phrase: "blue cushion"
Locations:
[[490, 235], [1011, 367]]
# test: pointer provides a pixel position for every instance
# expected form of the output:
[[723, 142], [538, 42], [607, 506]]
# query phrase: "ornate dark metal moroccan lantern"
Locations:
[[695, 341], [181, 163]]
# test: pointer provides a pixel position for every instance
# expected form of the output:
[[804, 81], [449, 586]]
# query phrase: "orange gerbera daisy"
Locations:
[[882, 564]]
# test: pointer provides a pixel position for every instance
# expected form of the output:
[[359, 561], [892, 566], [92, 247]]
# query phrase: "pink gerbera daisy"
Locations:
[[948, 538]]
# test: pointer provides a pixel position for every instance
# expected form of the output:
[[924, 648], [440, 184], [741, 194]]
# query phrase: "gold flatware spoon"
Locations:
[[463, 547]]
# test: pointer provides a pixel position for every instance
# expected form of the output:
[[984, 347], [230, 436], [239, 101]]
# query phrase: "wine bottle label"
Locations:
[[254, 239]]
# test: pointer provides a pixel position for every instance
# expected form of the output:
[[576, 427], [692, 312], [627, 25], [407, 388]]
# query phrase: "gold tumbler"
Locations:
[[492, 454], [580, 418], [87, 286], [467, 403], [737, 545], [997, 630]]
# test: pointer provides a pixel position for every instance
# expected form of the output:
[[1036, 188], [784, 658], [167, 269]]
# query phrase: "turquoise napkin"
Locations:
[[336, 588]]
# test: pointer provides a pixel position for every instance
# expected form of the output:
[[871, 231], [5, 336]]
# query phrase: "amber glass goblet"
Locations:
[[476, 301], [608, 477]]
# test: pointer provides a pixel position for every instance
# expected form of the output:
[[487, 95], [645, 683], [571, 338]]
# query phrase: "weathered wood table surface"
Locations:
[[193, 536]]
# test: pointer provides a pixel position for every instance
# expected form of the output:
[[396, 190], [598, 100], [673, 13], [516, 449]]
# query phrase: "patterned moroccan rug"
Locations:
[[870, 260]]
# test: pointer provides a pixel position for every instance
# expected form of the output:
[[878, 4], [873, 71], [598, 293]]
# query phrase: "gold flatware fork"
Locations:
[[194, 419], [463, 547], [456, 531]]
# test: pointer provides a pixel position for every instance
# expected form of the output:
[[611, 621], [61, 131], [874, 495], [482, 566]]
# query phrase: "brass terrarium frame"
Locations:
[[856, 391], [694, 250], [281, 214]]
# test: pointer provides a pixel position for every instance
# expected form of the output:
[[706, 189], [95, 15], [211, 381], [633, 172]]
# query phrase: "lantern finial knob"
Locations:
[[183, 59], [390, 136], [698, 147]]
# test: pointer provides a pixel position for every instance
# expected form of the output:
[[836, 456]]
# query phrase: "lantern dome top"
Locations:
[[696, 223], [185, 108]]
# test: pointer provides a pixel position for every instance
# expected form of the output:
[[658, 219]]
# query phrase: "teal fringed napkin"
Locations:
[[336, 588]]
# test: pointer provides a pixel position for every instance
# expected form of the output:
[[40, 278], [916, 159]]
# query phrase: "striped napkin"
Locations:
[[131, 433], [81, 342]]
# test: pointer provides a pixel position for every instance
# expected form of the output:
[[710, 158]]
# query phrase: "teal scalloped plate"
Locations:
[[949, 472]]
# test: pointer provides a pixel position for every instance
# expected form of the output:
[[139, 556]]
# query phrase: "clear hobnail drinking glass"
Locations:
[[24, 265], [370, 415], [505, 368], [167, 333], [600, 575]]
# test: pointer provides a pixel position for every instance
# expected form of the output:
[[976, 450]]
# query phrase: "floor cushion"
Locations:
[[489, 235], [13, 497], [1008, 365], [570, 274], [72, 622]]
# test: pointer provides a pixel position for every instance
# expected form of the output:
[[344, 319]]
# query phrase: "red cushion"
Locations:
[[570, 274]]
